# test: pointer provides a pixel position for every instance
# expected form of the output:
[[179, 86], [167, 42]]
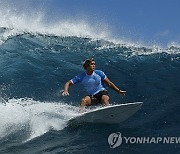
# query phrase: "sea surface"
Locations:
[[34, 66]]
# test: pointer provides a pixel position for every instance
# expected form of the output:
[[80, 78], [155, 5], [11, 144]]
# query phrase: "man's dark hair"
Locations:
[[87, 62]]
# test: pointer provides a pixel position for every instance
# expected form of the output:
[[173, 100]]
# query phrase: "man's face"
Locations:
[[92, 66]]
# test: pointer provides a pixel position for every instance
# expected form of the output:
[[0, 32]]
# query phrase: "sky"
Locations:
[[149, 21]]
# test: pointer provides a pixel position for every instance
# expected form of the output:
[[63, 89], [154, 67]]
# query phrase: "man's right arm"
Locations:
[[75, 80], [66, 88]]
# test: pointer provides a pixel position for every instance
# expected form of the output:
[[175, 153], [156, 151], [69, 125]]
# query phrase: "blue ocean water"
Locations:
[[34, 67]]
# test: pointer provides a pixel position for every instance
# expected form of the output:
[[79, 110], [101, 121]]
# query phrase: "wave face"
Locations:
[[34, 68]]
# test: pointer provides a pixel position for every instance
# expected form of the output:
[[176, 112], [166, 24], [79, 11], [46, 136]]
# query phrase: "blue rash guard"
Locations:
[[92, 83]]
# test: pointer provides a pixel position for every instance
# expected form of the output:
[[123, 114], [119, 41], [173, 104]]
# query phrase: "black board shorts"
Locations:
[[96, 99]]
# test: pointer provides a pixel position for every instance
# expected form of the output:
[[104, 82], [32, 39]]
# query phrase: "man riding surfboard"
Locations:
[[92, 80]]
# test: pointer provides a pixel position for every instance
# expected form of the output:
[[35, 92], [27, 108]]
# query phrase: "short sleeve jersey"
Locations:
[[92, 83]]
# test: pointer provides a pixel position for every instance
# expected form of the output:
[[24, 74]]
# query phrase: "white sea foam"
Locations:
[[40, 117]]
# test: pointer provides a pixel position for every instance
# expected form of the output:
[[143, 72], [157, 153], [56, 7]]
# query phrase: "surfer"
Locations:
[[93, 81]]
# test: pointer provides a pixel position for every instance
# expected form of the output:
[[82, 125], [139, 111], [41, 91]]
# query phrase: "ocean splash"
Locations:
[[12, 25], [35, 23], [33, 117]]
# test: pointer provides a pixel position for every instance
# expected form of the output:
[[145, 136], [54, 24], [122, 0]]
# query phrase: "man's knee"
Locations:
[[85, 101], [105, 99]]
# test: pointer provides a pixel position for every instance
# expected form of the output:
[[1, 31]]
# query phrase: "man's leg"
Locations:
[[85, 101], [105, 100]]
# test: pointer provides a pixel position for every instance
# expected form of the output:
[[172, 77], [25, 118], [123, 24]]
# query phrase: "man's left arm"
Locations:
[[113, 86]]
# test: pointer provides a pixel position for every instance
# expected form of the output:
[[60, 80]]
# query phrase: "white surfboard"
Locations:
[[110, 114]]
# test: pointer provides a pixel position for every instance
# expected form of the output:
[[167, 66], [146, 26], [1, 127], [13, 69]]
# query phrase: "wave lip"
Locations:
[[103, 45]]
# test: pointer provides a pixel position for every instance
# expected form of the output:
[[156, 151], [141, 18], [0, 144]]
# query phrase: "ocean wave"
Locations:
[[30, 60]]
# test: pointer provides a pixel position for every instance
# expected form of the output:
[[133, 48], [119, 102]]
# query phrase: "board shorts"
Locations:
[[96, 99]]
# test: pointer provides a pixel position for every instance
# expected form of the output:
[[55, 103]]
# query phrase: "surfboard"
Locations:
[[112, 114]]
